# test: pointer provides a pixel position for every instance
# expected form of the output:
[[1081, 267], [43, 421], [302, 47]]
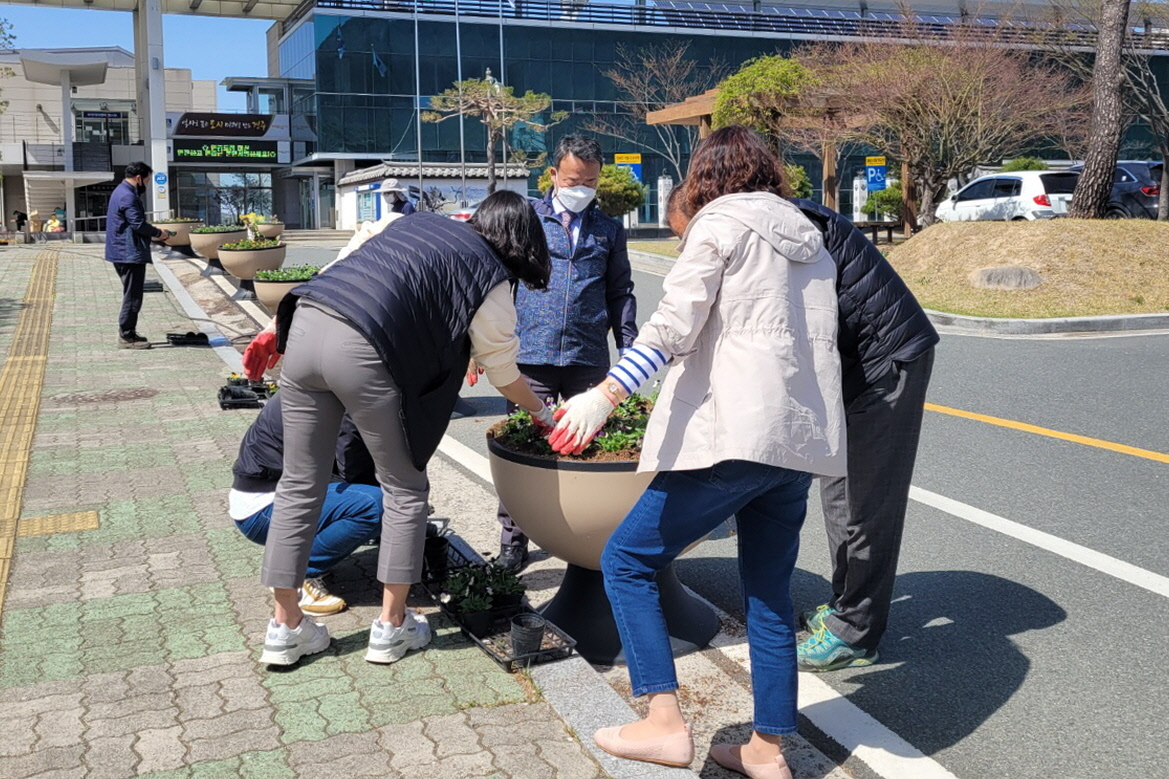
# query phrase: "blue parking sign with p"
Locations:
[[874, 173]]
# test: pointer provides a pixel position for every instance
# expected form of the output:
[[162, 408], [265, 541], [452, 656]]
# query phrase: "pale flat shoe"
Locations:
[[724, 755], [676, 749]]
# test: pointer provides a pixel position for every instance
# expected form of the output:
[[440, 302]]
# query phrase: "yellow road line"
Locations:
[[21, 380], [1147, 454]]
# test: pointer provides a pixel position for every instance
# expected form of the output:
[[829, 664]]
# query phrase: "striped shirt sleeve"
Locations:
[[636, 366]]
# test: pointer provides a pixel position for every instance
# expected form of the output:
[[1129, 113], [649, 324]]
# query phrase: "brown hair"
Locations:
[[676, 216], [733, 159]]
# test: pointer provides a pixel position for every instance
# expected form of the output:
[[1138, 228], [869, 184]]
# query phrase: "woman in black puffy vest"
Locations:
[[386, 334]]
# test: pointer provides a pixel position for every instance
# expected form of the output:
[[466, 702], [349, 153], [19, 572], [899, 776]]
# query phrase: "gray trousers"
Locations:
[[330, 368], [864, 513]]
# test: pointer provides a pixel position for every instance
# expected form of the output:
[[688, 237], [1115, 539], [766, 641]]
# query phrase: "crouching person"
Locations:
[[351, 515]]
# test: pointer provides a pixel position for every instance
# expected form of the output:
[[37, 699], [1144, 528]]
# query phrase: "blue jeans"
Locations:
[[351, 516], [677, 509]]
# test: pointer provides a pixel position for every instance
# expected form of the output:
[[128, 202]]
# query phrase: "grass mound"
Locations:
[[1089, 267]]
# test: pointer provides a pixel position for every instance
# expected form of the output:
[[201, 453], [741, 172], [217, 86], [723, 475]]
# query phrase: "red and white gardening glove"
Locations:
[[544, 420], [261, 355], [579, 420], [473, 373]]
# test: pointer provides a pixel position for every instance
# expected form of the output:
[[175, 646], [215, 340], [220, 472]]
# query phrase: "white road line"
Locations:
[[843, 721], [466, 457], [1098, 561], [866, 738]]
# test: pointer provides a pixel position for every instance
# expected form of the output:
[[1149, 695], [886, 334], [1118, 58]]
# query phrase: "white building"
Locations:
[[72, 125]]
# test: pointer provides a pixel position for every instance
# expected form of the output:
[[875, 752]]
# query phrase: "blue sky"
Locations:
[[213, 48]]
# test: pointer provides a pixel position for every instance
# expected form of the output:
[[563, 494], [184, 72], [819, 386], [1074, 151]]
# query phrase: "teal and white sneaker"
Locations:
[[813, 620], [389, 644], [284, 646], [825, 652]]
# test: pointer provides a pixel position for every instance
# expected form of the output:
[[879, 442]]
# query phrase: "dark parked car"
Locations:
[[1136, 190]]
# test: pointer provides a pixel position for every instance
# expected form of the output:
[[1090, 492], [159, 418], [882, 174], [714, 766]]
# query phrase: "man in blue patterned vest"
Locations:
[[563, 331]]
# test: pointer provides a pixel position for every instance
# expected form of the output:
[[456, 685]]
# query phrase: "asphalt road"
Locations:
[[1004, 658]]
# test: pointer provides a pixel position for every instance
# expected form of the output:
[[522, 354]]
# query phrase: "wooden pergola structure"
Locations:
[[697, 111]]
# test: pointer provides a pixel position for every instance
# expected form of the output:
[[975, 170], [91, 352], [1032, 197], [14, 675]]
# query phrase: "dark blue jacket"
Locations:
[[412, 291], [261, 453], [881, 321], [589, 294], [128, 233]]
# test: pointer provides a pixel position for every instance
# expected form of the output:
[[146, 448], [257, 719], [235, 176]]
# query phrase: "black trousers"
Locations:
[[864, 513], [558, 383], [133, 276]]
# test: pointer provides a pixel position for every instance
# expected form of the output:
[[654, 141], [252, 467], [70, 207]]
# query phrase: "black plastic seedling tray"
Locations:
[[231, 396], [495, 640]]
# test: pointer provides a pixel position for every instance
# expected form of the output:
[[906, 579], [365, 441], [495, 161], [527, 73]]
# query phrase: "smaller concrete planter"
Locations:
[[207, 244], [182, 232], [243, 263], [270, 229], [270, 293]]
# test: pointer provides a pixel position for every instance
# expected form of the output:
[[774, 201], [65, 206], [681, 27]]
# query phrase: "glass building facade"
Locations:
[[368, 89], [375, 63]]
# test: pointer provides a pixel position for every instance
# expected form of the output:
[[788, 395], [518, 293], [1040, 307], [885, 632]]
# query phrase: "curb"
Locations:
[[1128, 323], [1072, 324]]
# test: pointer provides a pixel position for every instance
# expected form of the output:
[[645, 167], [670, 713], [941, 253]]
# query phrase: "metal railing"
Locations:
[[51, 156], [743, 18]]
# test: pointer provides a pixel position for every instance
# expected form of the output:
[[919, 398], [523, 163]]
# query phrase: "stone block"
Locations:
[[452, 735], [1005, 277], [233, 743]]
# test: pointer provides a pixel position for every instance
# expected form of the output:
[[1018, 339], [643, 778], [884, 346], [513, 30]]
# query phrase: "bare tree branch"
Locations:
[[648, 79]]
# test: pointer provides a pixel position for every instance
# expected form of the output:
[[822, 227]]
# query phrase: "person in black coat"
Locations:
[[350, 516], [886, 346], [128, 237]]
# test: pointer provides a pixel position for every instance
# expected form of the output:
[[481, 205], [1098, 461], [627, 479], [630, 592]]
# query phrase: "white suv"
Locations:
[[1028, 194]]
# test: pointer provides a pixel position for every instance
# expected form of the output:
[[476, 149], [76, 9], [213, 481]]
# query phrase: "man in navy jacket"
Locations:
[[563, 330], [128, 237]]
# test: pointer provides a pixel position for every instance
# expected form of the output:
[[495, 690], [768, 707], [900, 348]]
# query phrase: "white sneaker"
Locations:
[[284, 646], [389, 644], [316, 599]]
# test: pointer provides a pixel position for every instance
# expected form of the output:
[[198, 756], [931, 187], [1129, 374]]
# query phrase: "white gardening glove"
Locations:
[[579, 420], [543, 419]]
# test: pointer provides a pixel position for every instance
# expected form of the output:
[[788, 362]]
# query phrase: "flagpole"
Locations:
[[502, 84], [418, 106], [459, 76]]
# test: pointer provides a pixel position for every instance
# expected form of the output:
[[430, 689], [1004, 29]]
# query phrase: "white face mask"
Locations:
[[575, 199]]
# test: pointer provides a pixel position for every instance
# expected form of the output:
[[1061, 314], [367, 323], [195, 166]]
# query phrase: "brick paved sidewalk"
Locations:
[[130, 648]]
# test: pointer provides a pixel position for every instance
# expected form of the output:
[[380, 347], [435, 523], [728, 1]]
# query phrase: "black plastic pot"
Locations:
[[527, 633], [477, 623], [435, 557], [507, 601]]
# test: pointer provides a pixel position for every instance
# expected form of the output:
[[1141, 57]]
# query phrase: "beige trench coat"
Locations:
[[749, 317]]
